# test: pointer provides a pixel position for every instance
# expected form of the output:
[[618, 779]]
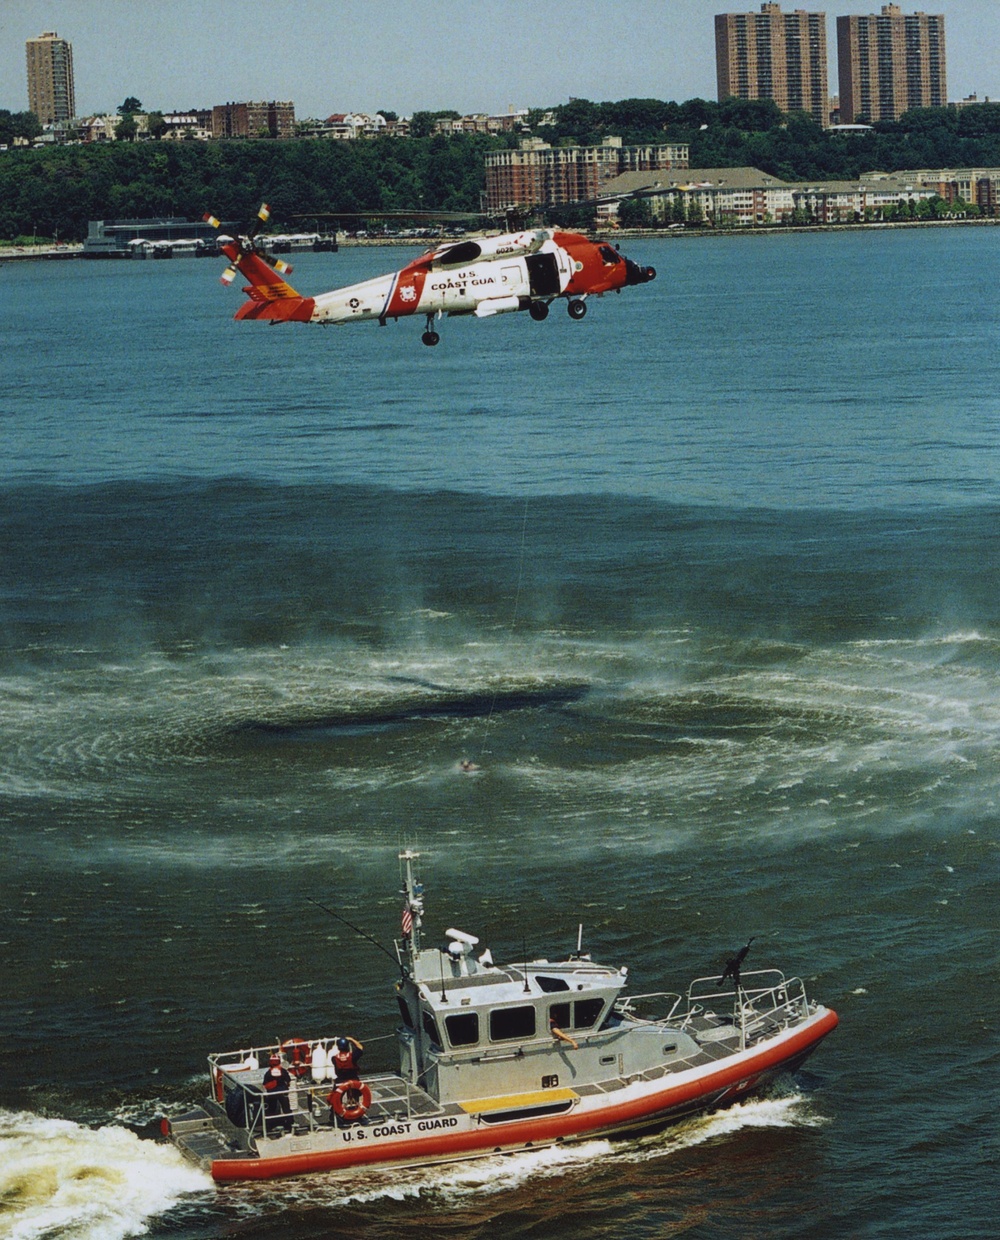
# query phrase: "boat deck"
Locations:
[[206, 1133]]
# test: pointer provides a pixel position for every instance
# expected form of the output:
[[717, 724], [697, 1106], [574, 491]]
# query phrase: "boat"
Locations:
[[494, 1059]]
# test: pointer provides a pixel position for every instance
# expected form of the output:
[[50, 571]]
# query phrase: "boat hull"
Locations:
[[638, 1106]]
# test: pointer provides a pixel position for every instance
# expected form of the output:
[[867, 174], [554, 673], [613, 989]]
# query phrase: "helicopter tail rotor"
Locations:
[[247, 242], [271, 297]]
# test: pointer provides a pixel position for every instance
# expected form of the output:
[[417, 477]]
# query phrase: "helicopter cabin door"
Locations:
[[543, 275]]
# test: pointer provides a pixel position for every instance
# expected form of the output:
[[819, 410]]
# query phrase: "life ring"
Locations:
[[298, 1054], [360, 1099]]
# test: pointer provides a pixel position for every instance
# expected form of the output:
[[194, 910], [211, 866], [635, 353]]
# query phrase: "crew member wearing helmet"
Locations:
[[277, 1106], [345, 1059]]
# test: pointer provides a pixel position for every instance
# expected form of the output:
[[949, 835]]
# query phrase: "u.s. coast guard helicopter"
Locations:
[[481, 276]]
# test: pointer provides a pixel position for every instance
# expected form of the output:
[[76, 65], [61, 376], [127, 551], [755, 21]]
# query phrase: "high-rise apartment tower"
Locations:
[[774, 55], [50, 78], [889, 63]]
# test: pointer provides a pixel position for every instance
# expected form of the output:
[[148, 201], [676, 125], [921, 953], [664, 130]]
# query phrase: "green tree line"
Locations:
[[14, 125], [53, 192]]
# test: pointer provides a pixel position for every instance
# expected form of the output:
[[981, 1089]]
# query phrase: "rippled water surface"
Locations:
[[706, 584]]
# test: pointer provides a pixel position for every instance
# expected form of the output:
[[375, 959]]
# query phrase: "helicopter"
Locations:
[[481, 276]]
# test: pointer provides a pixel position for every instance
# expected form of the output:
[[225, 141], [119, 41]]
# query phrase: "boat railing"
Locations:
[[764, 1000], [309, 1099], [628, 1005]]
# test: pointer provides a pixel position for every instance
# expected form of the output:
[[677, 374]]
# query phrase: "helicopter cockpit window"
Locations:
[[610, 256]]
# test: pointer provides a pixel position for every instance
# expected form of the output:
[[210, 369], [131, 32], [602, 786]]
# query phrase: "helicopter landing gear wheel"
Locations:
[[539, 310], [577, 309], [430, 336]]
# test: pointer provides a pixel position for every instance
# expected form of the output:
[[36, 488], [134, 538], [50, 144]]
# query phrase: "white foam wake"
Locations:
[[455, 1184], [58, 1178]]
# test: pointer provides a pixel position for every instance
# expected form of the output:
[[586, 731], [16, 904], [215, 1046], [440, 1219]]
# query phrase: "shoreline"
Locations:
[[13, 253], [787, 230], [74, 250]]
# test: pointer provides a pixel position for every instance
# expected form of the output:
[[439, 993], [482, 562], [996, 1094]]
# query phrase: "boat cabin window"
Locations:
[[561, 1014], [586, 1012], [431, 1029], [551, 984], [516, 1022], [463, 1029], [582, 1014], [404, 1011]]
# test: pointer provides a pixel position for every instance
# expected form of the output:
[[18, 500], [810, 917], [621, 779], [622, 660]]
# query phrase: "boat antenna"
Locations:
[[444, 996], [357, 930], [524, 953]]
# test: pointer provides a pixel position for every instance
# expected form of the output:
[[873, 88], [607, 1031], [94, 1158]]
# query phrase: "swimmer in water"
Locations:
[[466, 765]]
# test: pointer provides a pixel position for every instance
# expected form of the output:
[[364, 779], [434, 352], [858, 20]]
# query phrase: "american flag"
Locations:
[[407, 920]]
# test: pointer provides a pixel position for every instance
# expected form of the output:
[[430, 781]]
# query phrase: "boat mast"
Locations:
[[413, 907]]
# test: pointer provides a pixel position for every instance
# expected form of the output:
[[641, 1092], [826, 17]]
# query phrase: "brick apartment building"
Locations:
[[253, 120], [774, 55], [540, 175], [890, 63]]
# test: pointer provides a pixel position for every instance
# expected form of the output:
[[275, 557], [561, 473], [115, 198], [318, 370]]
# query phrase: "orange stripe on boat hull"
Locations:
[[731, 1081]]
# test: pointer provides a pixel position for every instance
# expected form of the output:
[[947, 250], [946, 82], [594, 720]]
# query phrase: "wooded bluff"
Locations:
[[54, 191]]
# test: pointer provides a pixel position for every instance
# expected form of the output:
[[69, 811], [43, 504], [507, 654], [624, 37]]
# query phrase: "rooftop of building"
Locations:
[[747, 178], [688, 178]]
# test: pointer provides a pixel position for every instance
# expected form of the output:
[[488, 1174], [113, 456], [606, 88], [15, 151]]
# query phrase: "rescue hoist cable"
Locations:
[[513, 622]]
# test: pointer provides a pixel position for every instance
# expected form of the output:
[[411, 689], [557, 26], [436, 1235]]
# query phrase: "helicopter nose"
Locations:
[[638, 275]]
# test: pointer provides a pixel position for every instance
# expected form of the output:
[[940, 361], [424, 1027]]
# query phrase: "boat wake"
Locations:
[[58, 1178], [457, 1185]]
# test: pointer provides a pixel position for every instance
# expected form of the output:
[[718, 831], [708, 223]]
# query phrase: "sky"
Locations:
[[407, 55]]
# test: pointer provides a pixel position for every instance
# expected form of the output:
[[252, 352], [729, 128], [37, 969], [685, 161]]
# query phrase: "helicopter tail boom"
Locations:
[[271, 296]]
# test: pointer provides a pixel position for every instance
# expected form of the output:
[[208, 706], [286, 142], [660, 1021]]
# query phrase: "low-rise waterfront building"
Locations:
[[741, 197], [976, 187], [735, 196], [116, 238]]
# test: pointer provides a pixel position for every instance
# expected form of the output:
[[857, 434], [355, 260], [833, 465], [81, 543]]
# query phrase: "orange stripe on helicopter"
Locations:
[[407, 291]]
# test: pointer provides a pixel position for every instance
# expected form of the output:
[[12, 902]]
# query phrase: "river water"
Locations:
[[707, 586]]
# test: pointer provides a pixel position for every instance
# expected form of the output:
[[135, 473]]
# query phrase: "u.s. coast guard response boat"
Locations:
[[495, 1059]]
